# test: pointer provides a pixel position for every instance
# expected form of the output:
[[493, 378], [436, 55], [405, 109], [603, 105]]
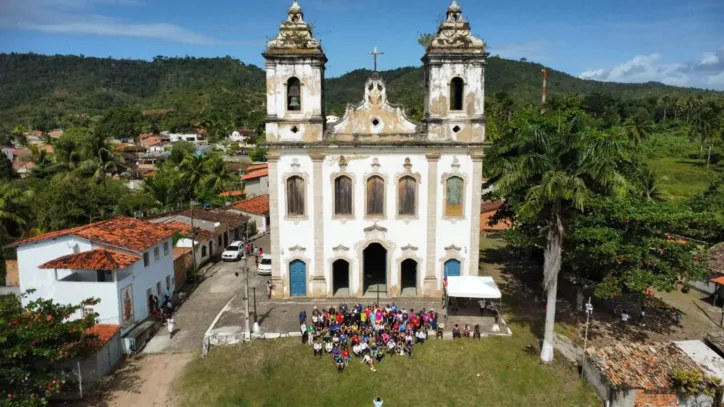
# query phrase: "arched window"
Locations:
[[375, 195], [203, 251], [295, 195], [406, 192], [294, 94], [454, 196], [456, 93], [343, 195]]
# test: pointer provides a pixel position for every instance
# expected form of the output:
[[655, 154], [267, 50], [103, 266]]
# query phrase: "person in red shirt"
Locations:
[[345, 356], [355, 340], [339, 318]]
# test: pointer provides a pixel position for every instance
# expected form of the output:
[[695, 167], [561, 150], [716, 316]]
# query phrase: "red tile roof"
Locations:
[[255, 167], [98, 259], [128, 233], [491, 206], [104, 332], [640, 366], [184, 229], [258, 205], [255, 174]]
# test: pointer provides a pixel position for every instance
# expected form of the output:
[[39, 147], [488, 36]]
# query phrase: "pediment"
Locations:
[[374, 117]]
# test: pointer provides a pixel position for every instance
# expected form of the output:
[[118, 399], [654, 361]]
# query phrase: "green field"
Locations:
[[686, 177], [491, 372]]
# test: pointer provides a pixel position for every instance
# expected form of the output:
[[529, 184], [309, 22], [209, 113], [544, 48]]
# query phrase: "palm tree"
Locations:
[[704, 123], [163, 188], [547, 169], [100, 160], [219, 175], [12, 215], [664, 102], [193, 171], [651, 185], [638, 127]]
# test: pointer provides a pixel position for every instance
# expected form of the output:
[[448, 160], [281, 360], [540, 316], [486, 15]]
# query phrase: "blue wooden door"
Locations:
[[452, 268], [298, 278]]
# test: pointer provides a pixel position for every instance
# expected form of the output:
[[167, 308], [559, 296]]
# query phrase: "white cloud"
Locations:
[[78, 17], [707, 71]]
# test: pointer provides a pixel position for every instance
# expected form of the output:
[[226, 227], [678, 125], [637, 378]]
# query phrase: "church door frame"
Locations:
[[391, 290], [447, 269], [299, 267], [417, 274], [349, 275]]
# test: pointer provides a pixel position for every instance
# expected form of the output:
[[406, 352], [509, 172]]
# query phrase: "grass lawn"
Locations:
[[491, 372], [686, 177]]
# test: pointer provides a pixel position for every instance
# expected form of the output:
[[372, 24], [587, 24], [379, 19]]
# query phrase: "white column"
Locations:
[[279, 281], [430, 285], [319, 284], [476, 185]]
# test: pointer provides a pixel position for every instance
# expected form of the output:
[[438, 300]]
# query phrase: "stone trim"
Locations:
[[453, 252], [319, 282], [285, 176], [392, 290], [301, 120], [286, 279], [409, 252], [455, 172], [385, 180], [350, 269], [430, 287], [332, 178], [418, 180], [477, 157]]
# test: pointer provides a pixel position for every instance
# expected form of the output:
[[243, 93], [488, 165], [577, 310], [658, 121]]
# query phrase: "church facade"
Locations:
[[373, 202]]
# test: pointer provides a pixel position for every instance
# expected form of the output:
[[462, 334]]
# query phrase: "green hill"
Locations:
[[37, 87]]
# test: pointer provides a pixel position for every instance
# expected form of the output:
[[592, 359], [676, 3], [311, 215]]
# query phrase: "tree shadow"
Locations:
[[521, 278], [126, 378]]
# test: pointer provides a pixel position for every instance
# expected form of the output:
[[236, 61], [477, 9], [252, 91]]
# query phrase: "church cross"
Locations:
[[374, 53]]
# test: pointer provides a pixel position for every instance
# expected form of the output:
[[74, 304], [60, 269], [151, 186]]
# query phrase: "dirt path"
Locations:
[[143, 381]]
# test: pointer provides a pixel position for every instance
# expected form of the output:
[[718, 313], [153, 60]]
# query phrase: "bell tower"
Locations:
[[295, 64], [455, 81]]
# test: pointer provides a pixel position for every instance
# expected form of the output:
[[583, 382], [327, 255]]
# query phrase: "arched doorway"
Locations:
[[408, 278], [340, 278], [298, 278], [452, 268], [374, 261]]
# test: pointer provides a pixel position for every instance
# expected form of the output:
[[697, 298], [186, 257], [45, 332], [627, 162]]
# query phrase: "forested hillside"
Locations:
[[43, 91]]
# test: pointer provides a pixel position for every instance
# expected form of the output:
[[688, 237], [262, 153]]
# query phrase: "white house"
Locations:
[[256, 180], [374, 201], [121, 261], [192, 138]]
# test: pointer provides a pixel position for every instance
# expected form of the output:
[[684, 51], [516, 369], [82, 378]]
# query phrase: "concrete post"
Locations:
[[431, 287]]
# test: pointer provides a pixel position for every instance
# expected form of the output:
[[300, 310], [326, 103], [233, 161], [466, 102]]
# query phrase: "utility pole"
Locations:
[[589, 311], [247, 331]]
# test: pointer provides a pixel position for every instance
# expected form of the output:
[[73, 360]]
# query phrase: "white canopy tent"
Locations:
[[482, 287], [472, 287]]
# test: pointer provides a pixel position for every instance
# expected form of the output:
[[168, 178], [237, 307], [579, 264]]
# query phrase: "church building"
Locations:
[[372, 201]]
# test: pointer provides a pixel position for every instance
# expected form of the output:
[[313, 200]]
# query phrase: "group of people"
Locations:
[[367, 333], [256, 251]]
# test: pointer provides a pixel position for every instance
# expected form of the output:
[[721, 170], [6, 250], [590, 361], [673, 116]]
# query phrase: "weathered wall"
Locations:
[[310, 73]]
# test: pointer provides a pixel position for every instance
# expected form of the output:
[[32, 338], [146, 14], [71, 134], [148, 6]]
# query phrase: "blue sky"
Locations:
[[672, 41]]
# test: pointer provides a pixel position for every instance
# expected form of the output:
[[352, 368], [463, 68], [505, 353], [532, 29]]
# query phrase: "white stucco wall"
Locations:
[[31, 255], [277, 75], [350, 232], [454, 231]]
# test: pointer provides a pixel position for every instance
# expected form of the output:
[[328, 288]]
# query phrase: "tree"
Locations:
[[258, 154], [164, 188], [193, 172], [650, 185], [121, 124], [638, 127], [704, 123], [19, 134], [36, 340], [70, 202], [425, 39], [219, 175], [100, 160], [179, 151], [6, 169], [14, 213], [547, 168]]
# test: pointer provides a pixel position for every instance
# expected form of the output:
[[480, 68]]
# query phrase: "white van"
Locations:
[[265, 264]]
